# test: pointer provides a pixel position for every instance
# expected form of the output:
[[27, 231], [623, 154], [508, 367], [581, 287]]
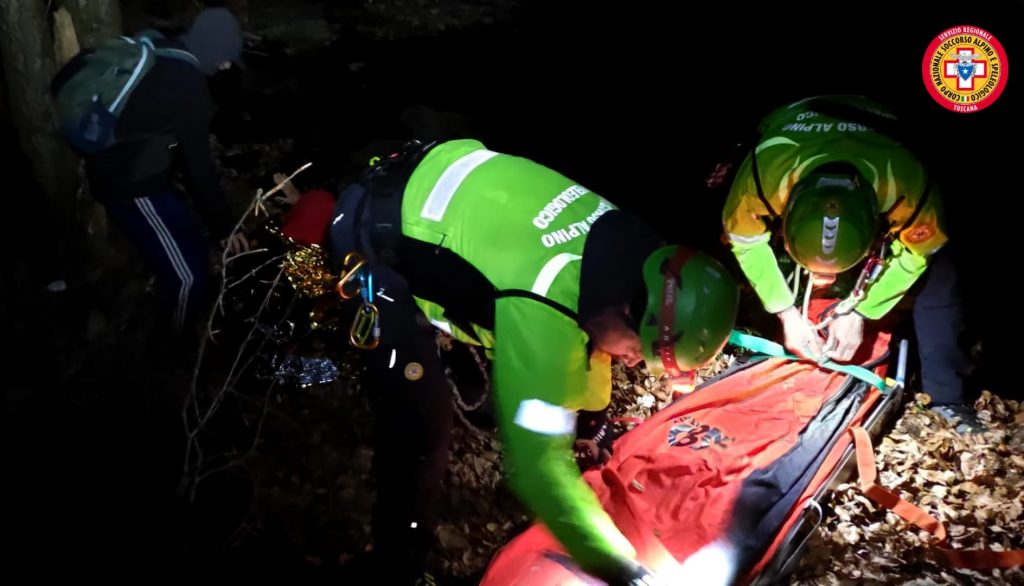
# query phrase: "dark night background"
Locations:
[[635, 100]]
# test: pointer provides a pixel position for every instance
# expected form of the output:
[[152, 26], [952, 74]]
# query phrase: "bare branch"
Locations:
[[253, 272], [193, 414], [255, 438], [281, 185]]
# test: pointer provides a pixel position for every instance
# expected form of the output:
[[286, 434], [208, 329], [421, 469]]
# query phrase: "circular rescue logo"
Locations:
[[414, 371], [964, 69]]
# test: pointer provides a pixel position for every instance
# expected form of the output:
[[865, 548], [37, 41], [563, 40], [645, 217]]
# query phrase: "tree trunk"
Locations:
[[95, 20], [65, 37], [26, 48], [104, 246]]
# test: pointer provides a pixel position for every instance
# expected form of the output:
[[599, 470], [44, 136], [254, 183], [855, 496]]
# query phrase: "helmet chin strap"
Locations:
[[666, 342], [814, 280]]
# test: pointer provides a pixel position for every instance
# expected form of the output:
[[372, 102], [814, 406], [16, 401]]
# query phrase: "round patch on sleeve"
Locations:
[[414, 371], [920, 234]]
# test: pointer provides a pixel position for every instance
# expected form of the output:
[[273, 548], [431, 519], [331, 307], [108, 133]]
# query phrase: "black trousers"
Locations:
[[938, 322], [413, 420]]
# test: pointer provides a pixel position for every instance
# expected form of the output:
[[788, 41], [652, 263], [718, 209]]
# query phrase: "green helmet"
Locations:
[[831, 220], [691, 309]]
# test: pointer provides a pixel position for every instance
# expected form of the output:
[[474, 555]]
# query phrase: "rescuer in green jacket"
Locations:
[[834, 176], [554, 282]]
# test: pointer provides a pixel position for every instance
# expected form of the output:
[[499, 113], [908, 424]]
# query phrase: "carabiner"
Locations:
[[365, 332], [348, 274]]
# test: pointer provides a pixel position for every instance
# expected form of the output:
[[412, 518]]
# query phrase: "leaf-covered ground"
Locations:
[[971, 485]]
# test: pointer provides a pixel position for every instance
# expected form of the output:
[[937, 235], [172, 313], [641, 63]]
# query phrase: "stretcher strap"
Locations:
[[763, 346], [975, 559]]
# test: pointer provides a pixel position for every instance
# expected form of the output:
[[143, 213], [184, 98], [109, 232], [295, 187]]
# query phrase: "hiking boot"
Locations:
[[962, 416]]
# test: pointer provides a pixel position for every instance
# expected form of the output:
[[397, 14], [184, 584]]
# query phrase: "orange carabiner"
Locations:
[[348, 274]]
